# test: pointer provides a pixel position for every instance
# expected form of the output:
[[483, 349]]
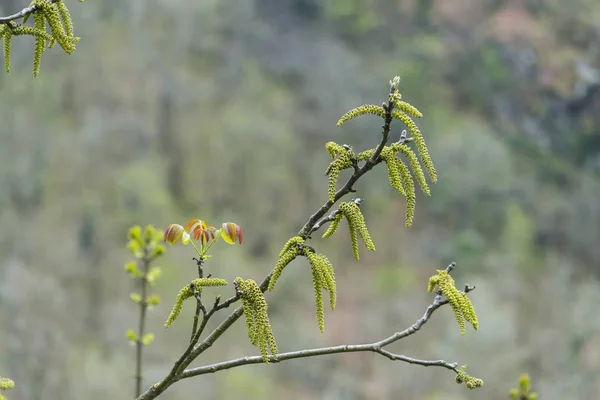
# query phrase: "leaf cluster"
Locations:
[[51, 24], [257, 320], [524, 390]]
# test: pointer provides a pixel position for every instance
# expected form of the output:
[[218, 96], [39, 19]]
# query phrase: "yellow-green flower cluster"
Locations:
[[356, 225], [469, 381], [523, 392], [400, 177], [56, 16], [362, 110], [394, 170], [418, 138], [188, 291], [342, 159], [398, 172], [323, 279], [257, 319], [5, 384], [414, 163], [289, 252], [460, 303], [408, 109]]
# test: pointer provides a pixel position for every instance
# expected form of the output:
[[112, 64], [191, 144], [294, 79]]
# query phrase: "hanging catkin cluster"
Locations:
[[343, 158], [257, 319], [188, 291], [401, 177], [52, 14], [323, 280], [290, 251], [399, 174], [468, 380], [460, 303], [356, 225]]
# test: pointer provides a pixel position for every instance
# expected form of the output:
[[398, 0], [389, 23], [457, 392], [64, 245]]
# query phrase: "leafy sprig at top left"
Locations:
[[51, 24]]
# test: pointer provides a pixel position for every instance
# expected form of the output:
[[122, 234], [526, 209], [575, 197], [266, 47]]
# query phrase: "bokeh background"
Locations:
[[172, 110]]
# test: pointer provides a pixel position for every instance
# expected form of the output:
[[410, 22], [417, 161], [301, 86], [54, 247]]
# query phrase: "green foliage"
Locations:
[[46, 13], [131, 336], [524, 390], [188, 291], [460, 303], [135, 297], [257, 320], [469, 381], [147, 339], [323, 278], [146, 247]]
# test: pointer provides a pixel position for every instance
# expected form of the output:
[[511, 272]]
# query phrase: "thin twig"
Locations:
[[198, 295], [24, 12], [376, 347], [139, 345]]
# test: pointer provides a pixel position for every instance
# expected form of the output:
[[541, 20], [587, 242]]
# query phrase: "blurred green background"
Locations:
[[220, 110]]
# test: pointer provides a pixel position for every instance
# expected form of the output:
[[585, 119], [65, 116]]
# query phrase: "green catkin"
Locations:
[[329, 275], [408, 109], [393, 172], [470, 382], [7, 40], [420, 141], [65, 17], [354, 242], [6, 384], [356, 219], [416, 167], [296, 240], [362, 110], [284, 260], [335, 224], [343, 161], [40, 42], [53, 18], [320, 310], [365, 155], [323, 272], [187, 291], [409, 187], [461, 305], [257, 320]]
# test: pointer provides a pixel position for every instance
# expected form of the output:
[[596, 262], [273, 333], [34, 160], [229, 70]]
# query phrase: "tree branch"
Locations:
[[24, 12], [376, 347], [195, 349]]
